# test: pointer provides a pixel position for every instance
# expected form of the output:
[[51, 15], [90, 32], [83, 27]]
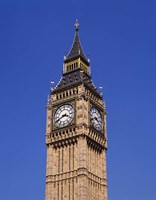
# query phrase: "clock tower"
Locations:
[[76, 138]]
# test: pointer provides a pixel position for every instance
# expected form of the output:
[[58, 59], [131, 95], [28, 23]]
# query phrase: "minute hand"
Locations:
[[61, 117]]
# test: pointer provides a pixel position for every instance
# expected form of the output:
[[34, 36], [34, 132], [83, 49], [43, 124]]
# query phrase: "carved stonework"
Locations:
[[76, 152]]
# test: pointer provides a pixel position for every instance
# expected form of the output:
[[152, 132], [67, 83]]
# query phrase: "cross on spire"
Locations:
[[76, 25]]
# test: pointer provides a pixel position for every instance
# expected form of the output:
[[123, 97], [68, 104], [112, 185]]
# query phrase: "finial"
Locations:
[[65, 55], [52, 83], [76, 25], [48, 99], [101, 88], [88, 58]]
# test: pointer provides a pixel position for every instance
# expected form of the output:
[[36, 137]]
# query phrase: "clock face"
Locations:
[[64, 115], [96, 119]]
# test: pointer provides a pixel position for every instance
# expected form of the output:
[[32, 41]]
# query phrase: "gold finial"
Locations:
[[76, 25]]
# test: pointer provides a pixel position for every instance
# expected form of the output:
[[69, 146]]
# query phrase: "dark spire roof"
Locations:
[[76, 49], [73, 79]]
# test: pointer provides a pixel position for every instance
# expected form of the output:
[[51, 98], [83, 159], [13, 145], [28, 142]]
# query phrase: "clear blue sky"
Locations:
[[120, 37]]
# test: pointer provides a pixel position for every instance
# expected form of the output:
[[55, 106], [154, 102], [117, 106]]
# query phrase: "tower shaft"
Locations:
[[76, 138]]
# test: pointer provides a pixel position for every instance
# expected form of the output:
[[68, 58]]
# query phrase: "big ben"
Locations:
[[76, 138]]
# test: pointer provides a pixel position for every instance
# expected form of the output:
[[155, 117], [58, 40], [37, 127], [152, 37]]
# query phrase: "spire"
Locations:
[[76, 49]]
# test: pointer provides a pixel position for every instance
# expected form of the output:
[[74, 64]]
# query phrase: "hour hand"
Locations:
[[94, 118]]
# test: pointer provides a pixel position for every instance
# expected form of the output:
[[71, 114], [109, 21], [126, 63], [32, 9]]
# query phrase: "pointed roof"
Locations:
[[73, 79], [76, 49]]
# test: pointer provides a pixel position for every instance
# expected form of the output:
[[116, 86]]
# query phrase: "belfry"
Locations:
[[76, 137]]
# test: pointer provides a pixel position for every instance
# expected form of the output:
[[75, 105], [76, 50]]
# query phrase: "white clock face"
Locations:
[[64, 115], [96, 119]]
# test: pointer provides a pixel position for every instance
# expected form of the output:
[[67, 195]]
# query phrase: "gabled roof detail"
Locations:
[[76, 49], [73, 79]]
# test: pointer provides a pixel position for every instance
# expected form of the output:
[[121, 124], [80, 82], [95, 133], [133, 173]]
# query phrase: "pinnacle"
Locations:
[[76, 49]]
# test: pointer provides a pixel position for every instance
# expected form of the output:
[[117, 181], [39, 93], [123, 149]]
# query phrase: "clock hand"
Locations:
[[62, 117], [96, 119]]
